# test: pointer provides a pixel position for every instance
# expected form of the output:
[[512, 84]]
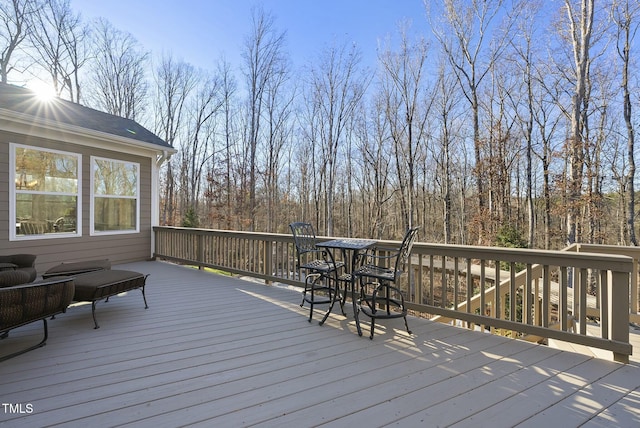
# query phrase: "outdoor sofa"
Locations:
[[27, 303]]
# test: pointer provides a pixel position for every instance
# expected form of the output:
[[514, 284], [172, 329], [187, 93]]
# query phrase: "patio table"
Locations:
[[355, 246]]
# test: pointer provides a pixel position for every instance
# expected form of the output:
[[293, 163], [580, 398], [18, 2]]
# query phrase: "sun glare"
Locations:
[[43, 91]]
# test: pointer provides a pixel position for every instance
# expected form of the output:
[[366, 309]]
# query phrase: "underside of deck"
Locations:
[[213, 350]]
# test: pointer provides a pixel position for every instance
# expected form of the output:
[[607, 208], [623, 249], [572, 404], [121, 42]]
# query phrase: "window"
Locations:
[[115, 204], [44, 195]]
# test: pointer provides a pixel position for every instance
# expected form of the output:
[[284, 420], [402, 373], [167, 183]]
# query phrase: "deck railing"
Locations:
[[542, 294]]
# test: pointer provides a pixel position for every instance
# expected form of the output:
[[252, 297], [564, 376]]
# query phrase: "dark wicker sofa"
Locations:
[[26, 303]]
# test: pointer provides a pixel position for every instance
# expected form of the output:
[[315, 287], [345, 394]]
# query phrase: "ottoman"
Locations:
[[99, 285]]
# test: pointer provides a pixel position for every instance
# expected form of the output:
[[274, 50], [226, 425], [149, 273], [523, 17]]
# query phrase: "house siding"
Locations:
[[118, 248]]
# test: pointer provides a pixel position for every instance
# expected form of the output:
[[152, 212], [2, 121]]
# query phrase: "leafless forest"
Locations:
[[488, 122]]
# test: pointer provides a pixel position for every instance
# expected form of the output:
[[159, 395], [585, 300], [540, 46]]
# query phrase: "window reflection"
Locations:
[[46, 192], [115, 178], [115, 195], [39, 170]]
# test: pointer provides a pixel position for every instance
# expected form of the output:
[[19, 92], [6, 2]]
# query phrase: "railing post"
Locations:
[[634, 287], [154, 242], [618, 291], [267, 259], [200, 251]]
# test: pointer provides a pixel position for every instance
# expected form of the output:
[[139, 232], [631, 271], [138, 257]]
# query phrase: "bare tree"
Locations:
[[119, 72], [198, 147], [581, 25], [403, 82], [311, 168], [626, 16], [337, 87], [547, 116], [76, 41], [278, 117], [373, 144], [58, 36], [525, 59], [263, 61], [465, 37], [174, 82], [229, 88], [15, 18], [445, 105]]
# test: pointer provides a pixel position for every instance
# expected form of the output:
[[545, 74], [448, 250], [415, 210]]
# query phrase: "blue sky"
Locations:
[[200, 31]]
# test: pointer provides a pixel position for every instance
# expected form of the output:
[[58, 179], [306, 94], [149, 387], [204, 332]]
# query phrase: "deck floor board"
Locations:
[[213, 350]]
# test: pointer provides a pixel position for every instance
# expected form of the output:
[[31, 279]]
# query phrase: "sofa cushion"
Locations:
[[25, 262], [9, 278]]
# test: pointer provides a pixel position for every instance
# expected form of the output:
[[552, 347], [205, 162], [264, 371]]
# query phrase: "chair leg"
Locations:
[[311, 287], [313, 297], [304, 292], [406, 324], [333, 295], [331, 286], [93, 312], [144, 296], [308, 288], [385, 290], [343, 299]]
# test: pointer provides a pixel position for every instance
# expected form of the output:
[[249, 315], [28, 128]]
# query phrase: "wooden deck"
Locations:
[[218, 351]]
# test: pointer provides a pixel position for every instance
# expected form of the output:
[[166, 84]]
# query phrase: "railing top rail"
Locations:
[[619, 263], [229, 233], [608, 249]]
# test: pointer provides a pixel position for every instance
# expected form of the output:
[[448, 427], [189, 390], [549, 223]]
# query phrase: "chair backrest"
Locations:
[[405, 247], [304, 237]]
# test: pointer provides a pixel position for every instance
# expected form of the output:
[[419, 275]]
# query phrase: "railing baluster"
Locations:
[[455, 283], [582, 296], [528, 299], [431, 279], [546, 296], [562, 295], [443, 281], [469, 284], [604, 304], [513, 296], [497, 294], [419, 287], [483, 299]]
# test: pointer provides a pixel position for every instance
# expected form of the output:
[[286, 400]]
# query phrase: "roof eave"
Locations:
[[30, 125]]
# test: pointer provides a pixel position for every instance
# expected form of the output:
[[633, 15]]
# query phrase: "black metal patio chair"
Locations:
[[379, 276], [321, 285]]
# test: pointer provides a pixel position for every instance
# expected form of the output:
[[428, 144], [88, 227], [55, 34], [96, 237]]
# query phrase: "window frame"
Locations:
[[13, 192], [92, 196]]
